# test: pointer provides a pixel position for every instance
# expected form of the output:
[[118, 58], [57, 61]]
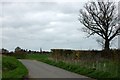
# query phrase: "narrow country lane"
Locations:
[[39, 69]]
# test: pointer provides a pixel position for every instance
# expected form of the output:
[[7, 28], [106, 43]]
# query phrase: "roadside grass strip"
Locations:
[[12, 69]]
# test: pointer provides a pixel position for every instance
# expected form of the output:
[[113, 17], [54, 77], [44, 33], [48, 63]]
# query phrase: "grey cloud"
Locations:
[[44, 24]]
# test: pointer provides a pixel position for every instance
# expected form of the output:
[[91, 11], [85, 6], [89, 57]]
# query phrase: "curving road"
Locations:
[[39, 69]]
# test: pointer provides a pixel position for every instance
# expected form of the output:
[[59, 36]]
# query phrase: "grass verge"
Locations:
[[12, 69]]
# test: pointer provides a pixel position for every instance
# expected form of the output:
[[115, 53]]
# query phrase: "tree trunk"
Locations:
[[107, 45]]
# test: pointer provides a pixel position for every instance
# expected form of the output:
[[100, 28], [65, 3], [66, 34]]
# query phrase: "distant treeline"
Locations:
[[21, 53], [68, 53], [18, 50]]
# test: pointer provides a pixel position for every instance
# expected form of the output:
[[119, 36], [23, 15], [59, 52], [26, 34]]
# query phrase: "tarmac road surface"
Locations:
[[39, 69]]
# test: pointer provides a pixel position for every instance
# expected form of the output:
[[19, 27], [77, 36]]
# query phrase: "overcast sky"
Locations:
[[47, 25]]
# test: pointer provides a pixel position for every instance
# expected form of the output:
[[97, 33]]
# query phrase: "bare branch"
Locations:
[[100, 18]]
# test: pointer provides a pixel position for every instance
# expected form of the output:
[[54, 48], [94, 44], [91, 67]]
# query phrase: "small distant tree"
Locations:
[[20, 53], [18, 49], [4, 51], [101, 18]]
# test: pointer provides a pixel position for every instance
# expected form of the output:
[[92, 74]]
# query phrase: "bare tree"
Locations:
[[101, 18]]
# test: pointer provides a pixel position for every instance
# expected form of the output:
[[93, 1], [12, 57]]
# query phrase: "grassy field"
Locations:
[[12, 69], [37, 56], [76, 67]]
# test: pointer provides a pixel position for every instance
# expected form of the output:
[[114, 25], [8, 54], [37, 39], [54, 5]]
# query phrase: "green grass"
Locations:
[[37, 56], [12, 68], [73, 67], [18, 55]]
